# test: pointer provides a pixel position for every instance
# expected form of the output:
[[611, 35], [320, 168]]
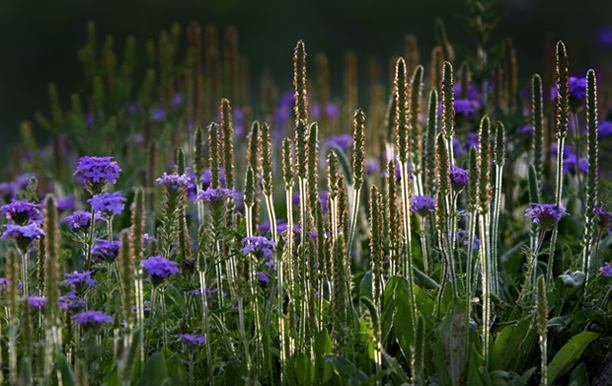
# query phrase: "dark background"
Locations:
[[39, 39]]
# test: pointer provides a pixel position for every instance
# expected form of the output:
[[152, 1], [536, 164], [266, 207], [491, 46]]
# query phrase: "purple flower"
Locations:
[[106, 250], [603, 36], [92, 319], [23, 180], [108, 203], [604, 219], [271, 264], [97, 170], [66, 203], [191, 341], [159, 268], [76, 279], [7, 190], [23, 235], [21, 212], [177, 101], [577, 88], [174, 181], [604, 129], [71, 302], [546, 215], [464, 106], [263, 277], [216, 195], [36, 301], [4, 282], [463, 237], [569, 162], [459, 177], [258, 243], [606, 270], [134, 107], [422, 205], [265, 227], [158, 115], [207, 174], [371, 166], [80, 220], [343, 141]]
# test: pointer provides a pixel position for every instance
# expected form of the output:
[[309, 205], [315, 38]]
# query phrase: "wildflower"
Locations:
[[258, 243], [23, 235], [604, 219], [158, 115], [191, 341], [134, 107], [263, 277], [36, 301], [372, 166], [4, 282], [604, 129], [343, 141], [177, 101], [546, 215], [108, 203], [175, 182], [422, 205], [98, 169], [22, 212], [528, 130], [66, 203], [79, 280], [106, 250], [7, 190], [207, 175], [459, 177], [80, 220], [71, 302], [92, 319], [464, 106], [265, 227], [462, 237], [606, 270], [216, 195], [577, 88], [159, 268], [603, 36]]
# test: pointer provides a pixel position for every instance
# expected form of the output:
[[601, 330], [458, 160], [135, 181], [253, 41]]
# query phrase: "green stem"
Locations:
[[92, 227], [205, 323], [486, 289], [559, 192], [468, 287]]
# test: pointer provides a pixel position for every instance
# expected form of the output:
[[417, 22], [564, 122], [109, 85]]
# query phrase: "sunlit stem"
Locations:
[[469, 291], [205, 323], [553, 238], [253, 274], [499, 170], [486, 287]]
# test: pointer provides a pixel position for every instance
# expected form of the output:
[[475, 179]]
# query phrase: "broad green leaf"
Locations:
[[65, 370], [396, 370], [155, 371], [388, 309], [112, 379], [507, 344], [403, 328], [305, 370], [569, 355], [323, 345], [580, 376], [365, 287]]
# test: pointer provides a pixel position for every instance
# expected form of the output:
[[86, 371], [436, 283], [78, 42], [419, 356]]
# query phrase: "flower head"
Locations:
[[191, 341], [158, 115], [71, 302], [263, 277], [97, 171], [36, 301], [174, 181], [604, 129], [108, 203], [159, 268], [604, 219], [77, 280], [546, 215], [106, 250], [258, 243], [343, 141], [22, 212], [92, 319], [80, 220], [216, 195], [606, 270], [66, 203], [422, 205], [459, 177], [464, 106], [22, 234], [577, 88], [463, 237]]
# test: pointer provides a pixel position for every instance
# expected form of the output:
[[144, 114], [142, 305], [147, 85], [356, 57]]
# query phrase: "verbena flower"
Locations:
[[464, 106], [263, 277], [177, 100], [606, 270], [604, 219], [265, 227], [23, 234], [92, 319], [36, 301], [4, 283], [98, 170], [603, 36], [216, 195], [66, 203], [191, 341], [7, 190], [108, 203], [207, 175], [77, 280], [422, 205], [459, 177], [158, 115], [71, 301], [159, 268], [258, 243], [372, 166], [577, 88], [175, 181], [463, 237], [80, 220], [22, 212], [604, 129], [106, 250], [343, 141], [545, 215]]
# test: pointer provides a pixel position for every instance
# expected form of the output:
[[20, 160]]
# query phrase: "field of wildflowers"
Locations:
[[176, 231]]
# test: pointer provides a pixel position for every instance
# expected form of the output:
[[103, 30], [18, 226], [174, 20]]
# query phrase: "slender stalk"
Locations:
[[469, 291], [553, 239], [25, 255], [205, 323], [486, 288], [253, 274], [92, 227]]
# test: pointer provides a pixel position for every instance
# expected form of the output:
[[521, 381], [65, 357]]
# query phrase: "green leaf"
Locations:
[[569, 355], [507, 344], [388, 308], [323, 345], [305, 370], [365, 287], [155, 371], [65, 370], [112, 379], [580, 376], [404, 329], [396, 370], [573, 279]]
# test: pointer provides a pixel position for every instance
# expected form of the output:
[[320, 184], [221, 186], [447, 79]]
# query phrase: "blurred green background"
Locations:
[[39, 39]]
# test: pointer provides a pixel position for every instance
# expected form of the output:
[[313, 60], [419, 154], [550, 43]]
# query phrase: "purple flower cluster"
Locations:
[[159, 268], [343, 141], [22, 212], [108, 203], [604, 219], [80, 220], [71, 302], [577, 88], [216, 195], [606, 270], [23, 234], [422, 205], [97, 169], [66, 203], [207, 176], [36, 301], [459, 177], [604, 129], [546, 215], [191, 341], [464, 106], [463, 237], [92, 319], [77, 280], [175, 181], [259, 243], [106, 250], [330, 109]]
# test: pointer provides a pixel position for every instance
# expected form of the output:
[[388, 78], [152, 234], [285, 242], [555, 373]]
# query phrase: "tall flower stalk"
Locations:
[[358, 168]]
